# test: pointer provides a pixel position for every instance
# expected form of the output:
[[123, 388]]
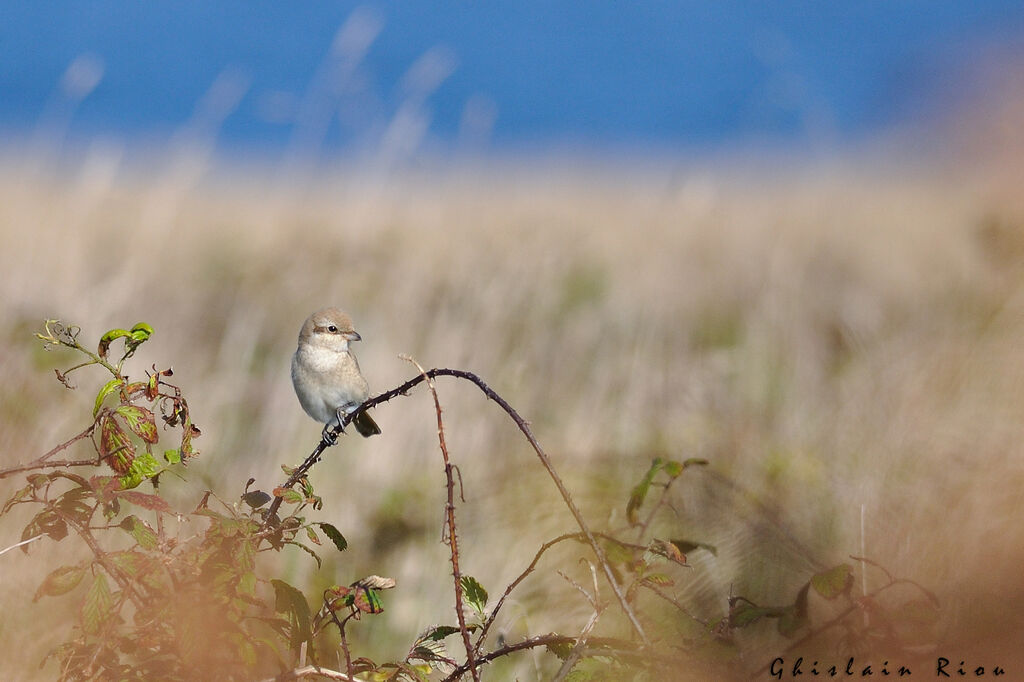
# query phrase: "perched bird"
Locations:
[[326, 375]]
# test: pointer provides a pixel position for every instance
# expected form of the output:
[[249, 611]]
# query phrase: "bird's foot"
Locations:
[[329, 436]]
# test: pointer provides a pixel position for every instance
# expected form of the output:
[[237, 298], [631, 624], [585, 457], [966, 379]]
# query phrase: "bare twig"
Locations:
[[581, 640], [453, 542]]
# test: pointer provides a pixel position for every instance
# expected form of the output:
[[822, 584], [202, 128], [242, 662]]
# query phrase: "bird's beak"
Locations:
[[353, 336]]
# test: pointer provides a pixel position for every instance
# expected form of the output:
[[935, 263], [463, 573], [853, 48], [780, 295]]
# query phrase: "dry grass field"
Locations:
[[843, 340]]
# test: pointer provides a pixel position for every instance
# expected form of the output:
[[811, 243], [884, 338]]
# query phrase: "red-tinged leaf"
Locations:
[[288, 495], [833, 582], [338, 596], [688, 546], [146, 501], [134, 390], [115, 445], [189, 432], [153, 386], [141, 422], [367, 600], [668, 550], [61, 581], [105, 487]]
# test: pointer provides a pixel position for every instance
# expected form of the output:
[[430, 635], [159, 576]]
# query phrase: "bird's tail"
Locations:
[[365, 425]]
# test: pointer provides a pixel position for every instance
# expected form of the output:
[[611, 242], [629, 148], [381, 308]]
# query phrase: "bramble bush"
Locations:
[[153, 599]]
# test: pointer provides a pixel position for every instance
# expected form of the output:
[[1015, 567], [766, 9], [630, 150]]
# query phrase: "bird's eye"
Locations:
[[332, 329]]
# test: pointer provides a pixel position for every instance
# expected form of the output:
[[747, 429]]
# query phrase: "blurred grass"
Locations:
[[828, 336]]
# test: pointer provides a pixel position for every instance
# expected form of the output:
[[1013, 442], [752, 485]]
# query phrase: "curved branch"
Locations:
[[527, 432]]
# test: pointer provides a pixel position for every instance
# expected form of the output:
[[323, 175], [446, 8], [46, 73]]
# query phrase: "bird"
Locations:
[[326, 375]]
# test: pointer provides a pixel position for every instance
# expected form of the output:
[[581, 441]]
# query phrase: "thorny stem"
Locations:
[[598, 646], [453, 542], [525, 428], [41, 461]]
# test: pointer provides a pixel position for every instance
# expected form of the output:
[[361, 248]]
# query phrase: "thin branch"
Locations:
[[673, 602], [522, 576], [599, 646], [527, 432], [42, 462], [453, 542], [311, 671], [581, 644], [19, 544], [581, 640]]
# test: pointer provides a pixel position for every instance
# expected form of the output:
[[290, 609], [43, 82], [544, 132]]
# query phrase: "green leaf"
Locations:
[[745, 613], [311, 534], [141, 422], [795, 616], [172, 456], [142, 468], [561, 649], [292, 602], [141, 331], [336, 537], [658, 579], [60, 581], [833, 582], [639, 492], [256, 498], [141, 531], [98, 603], [109, 338], [438, 632], [475, 593], [107, 389]]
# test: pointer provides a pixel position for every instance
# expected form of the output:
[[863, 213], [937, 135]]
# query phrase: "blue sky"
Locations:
[[533, 74]]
